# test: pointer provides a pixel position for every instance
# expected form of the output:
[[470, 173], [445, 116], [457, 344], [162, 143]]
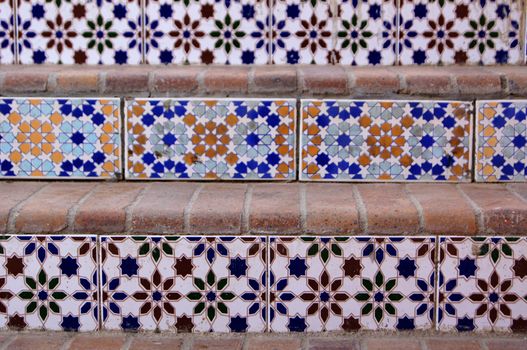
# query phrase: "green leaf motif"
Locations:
[[59, 295], [144, 249], [53, 283], [222, 308], [167, 249], [227, 296], [43, 312], [42, 277], [54, 307], [211, 313], [32, 306], [222, 283], [366, 309], [199, 283], [26, 295], [198, 309], [194, 296], [379, 279], [313, 250], [31, 283], [378, 314], [156, 254], [211, 278]]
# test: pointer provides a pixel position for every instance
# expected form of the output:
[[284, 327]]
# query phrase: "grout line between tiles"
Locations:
[[14, 211], [436, 282], [268, 285], [188, 208], [99, 282]]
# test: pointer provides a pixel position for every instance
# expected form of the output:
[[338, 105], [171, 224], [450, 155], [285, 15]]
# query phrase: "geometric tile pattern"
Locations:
[[65, 138], [351, 283], [210, 139], [206, 32], [385, 140], [7, 32], [483, 284], [49, 282], [501, 140], [184, 284], [460, 31], [80, 32]]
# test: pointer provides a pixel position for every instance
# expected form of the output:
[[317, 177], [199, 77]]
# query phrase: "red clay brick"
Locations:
[[275, 208], [520, 189], [162, 208], [274, 79], [516, 77], [324, 80], [475, 81], [131, 79], [503, 212], [176, 80], [32, 341], [333, 344], [47, 211], [389, 210], [268, 343], [217, 343], [331, 209], [452, 344], [445, 210], [507, 344], [78, 81], [367, 81], [97, 342], [226, 79], [104, 210], [26, 80], [12, 193], [392, 344], [429, 81], [144, 342], [218, 209]]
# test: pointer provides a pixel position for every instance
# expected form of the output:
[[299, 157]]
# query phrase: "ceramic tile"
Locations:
[[211, 139], [49, 282], [187, 284], [461, 31], [351, 283], [483, 284], [207, 32], [80, 32], [385, 140], [7, 32], [501, 140], [65, 138]]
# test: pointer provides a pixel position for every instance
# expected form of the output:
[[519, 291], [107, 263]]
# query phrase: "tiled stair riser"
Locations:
[[258, 284]]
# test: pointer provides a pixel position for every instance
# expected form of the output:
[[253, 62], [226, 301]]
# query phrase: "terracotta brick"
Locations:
[[274, 79], [506, 344], [104, 210], [271, 343], [516, 77], [78, 81], [520, 189], [389, 210], [12, 193], [275, 208], [226, 79], [162, 208], [216, 343], [430, 81], [26, 80], [331, 209], [367, 81], [176, 80], [392, 344], [47, 211], [145, 342], [476, 81], [445, 210], [131, 79], [44, 341], [452, 344], [333, 344], [99, 342], [324, 80], [218, 209], [503, 212]]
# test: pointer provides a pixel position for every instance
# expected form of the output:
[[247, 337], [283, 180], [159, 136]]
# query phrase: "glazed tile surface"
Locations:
[[385, 140], [459, 32], [501, 141], [184, 284], [483, 284], [65, 138], [207, 32], [49, 283], [210, 139], [7, 32], [80, 32], [344, 283]]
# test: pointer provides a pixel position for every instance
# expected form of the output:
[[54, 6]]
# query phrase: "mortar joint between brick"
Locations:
[[516, 194], [15, 211], [504, 82], [128, 342], [246, 210], [303, 208], [188, 209], [150, 83], [300, 81], [403, 85], [455, 85], [480, 220], [423, 345], [361, 210], [186, 343], [130, 208], [200, 78], [51, 85], [67, 343], [101, 83], [418, 207], [8, 342], [72, 212], [351, 81], [251, 88], [483, 344]]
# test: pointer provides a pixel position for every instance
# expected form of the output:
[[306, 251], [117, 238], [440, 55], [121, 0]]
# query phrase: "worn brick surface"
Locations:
[[476, 81], [329, 80], [273, 79], [47, 211], [452, 344], [176, 80], [98, 342], [271, 343], [218, 209], [516, 79], [131, 79], [161, 208], [333, 344], [20, 80], [217, 343], [275, 208], [78, 81], [503, 212], [426, 81], [391, 344], [143, 342], [11, 194], [445, 210], [389, 209], [36, 341], [226, 79], [367, 81], [507, 344], [331, 209], [104, 210]]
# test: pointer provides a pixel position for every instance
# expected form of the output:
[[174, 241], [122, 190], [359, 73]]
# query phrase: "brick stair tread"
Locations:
[[454, 82], [29, 207]]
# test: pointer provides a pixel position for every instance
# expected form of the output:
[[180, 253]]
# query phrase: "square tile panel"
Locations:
[[207, 32], [7, 32], [460, 31], [385, 140], [483, 284], [501, 140], [49, 283], [80, 32], [351, 283], [211, 139], [184, 284], [65, 138]]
